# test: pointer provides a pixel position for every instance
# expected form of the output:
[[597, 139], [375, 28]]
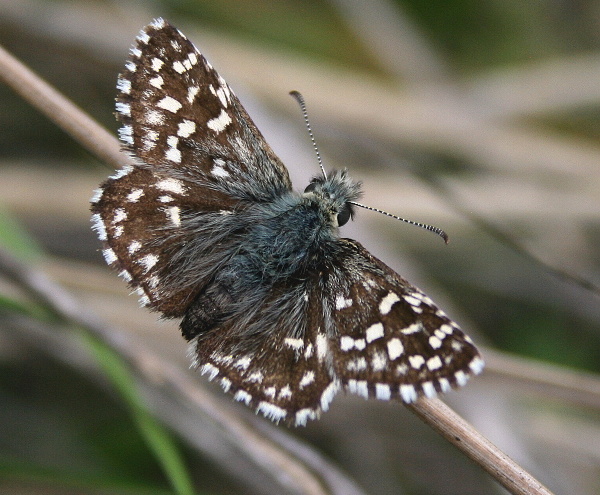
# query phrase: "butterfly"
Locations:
[[276, 306]]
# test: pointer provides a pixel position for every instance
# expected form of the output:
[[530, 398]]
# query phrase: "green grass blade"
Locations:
[[157, 438]]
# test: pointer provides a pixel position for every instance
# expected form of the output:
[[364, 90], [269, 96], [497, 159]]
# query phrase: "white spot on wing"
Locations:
[[121, 172], [123, 108], [308, 352], [429, 389], [173, 153], [126, 134], [285, 393], [158, 23], [98, 226], [413, 301], [346, 343], [342, 303], [328, 394], [477, 365], [218, 170], [124, 85], [295, 344], [223, 94], [224, 88], [134, 246], [144, 300], [374, 332], [186, 128], [256, 377], [271, 411], [148, 261], [402, 369], [434, 342], [153, 117], [322, 348], [359, 387], [192, 92], [179, 67], [243, 362], [209, 369], [157, 63], [172, 185], [307, 379], [120, 215], [226, 384], [444, 385], [173, 214], [303, 415], [414, 328], [383, 391], [395, 348], [242, 396], [358, 364], [447, 329], [416, 361], [135, 195], [97, 195], [385, 306], [143, 37], [170, 104], [408, 393], [157, 82], [153, 282], [218, 124], [109, 256], [461, 378], [434, 363], [378, 361]]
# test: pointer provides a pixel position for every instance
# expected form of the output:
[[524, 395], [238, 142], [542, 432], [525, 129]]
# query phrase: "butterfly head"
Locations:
[[335, 194]]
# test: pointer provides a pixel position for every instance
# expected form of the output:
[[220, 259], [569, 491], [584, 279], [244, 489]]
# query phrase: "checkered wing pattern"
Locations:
[[205, 226]]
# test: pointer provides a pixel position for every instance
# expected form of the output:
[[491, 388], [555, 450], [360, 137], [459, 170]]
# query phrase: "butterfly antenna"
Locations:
[[300, 99], [431, 228]]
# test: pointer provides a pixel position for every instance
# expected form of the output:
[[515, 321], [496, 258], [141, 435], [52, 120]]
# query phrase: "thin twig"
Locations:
[[62, 111], [463, 436]]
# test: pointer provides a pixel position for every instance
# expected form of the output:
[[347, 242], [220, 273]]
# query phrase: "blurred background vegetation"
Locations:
[[481, 117]]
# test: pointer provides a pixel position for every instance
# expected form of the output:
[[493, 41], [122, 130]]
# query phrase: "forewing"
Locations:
[[180, 116], [200, 161]]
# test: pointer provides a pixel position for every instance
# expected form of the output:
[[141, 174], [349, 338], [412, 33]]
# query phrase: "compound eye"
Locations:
[[344, 215], [311, 187]]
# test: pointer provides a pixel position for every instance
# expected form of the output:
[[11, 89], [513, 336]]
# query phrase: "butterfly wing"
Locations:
[[356, 324], [199, 159], [318, 316], [388, 339], [280, 364]]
